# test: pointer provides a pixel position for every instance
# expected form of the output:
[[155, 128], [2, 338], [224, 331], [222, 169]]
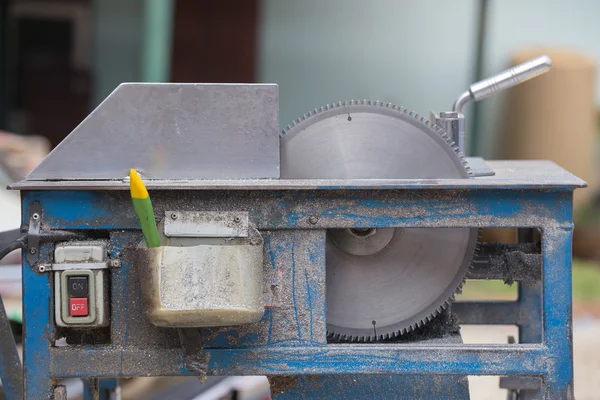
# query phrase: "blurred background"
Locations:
[[59, 59]]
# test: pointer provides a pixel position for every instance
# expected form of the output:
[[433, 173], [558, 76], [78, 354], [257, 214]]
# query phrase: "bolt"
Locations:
[[173, 216], [32, 250], [35, 216], [114, 263], [237, 220], [313, 220], [42, 268]]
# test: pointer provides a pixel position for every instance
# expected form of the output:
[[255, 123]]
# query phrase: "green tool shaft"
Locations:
[[143, 209]]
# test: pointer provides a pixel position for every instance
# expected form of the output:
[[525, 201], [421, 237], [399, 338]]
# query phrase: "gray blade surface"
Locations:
[[413, 275]]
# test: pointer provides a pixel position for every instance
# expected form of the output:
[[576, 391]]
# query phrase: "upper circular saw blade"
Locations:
[[379, 283]]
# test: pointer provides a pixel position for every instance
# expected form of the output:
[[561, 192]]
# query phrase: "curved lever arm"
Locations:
[[503, 80]]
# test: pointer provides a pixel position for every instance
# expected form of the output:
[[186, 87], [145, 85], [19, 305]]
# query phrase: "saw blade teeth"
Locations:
[[442, 133]]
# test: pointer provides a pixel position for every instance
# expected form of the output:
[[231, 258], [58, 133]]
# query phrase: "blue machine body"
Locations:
[[290, 341]]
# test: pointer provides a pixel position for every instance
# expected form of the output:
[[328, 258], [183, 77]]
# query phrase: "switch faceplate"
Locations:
[[74, 316], [80, 287]]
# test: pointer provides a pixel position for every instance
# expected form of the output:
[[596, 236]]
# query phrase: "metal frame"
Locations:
[[291, 338]]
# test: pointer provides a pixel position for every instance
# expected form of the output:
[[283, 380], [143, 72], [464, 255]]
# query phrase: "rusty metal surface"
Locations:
[[59, 393], [294, 270], [194, 357], [380, 386], [402, 358], [363, 386], [321, 209], [521, 262]]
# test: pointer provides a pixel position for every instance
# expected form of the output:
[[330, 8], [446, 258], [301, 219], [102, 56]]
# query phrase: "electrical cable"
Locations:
[[17, 244]]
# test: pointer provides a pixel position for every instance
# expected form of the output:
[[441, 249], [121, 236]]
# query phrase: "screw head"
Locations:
[[35, 216], [237, 220], [114, 263], [32, 250], [313, 220], [42, 268], [174, 216]]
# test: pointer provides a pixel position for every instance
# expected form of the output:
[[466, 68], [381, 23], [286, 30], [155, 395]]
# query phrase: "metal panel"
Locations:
[[290, 359], [509, 175], [365, 386], [479, 167], [332, 209], [173, 131], [206, 224]]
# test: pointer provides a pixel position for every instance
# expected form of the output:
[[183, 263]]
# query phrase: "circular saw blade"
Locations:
[[391, 282]]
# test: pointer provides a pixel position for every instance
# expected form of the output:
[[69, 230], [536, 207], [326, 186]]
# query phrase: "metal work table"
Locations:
[[508, 175], [291, 338]]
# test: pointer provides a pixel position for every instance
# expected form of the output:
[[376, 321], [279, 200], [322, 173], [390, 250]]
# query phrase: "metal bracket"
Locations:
[[453, 122], [194, 357], [79, 265], [33, 233]]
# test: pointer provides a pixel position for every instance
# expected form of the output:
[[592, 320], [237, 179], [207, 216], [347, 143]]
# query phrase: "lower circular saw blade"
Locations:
[[381, 282]]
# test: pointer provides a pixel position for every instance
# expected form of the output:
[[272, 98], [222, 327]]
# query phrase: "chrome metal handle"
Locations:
[[504, 80]]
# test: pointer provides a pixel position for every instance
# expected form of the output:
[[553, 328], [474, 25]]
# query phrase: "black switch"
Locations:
[[77, 286]]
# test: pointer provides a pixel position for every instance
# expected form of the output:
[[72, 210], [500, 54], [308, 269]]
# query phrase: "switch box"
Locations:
[[80, 284]]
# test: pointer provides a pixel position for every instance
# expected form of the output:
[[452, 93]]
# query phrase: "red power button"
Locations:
[[78, 307]]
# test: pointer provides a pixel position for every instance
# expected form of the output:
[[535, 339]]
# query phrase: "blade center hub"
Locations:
[[362, 241]]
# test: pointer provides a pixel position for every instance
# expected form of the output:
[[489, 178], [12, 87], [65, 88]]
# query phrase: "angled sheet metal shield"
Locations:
[[381, 282], [173, 131]]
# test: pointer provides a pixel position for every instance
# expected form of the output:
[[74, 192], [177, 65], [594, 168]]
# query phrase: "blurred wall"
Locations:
[[516, 24], [415, 54], [118, 30]]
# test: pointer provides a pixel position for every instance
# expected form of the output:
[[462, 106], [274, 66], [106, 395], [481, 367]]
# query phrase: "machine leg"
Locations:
[[557, 312], [38, 325], [99, 389]]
